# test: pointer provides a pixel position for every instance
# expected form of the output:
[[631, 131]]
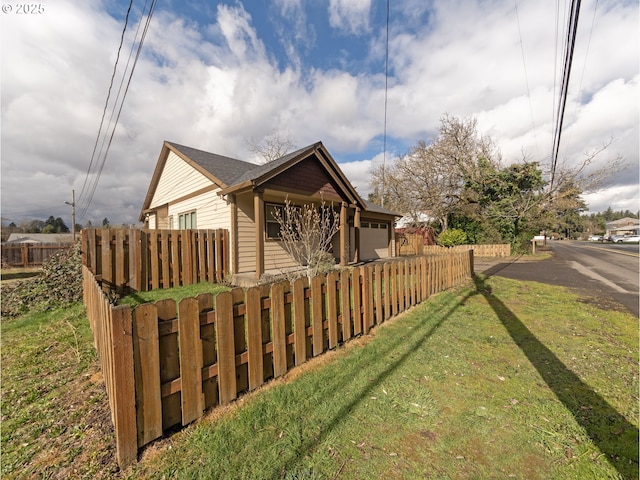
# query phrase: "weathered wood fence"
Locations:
[[30, 254], [165, 363], [127, 260], [409, 244], [498, 250]]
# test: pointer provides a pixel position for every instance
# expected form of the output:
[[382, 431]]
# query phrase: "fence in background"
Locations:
[[165, 363], [127, 260], [30, 254], [409, 244], [499, 250]]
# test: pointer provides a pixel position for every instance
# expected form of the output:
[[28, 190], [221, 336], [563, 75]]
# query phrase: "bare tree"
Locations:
[[430, 178], [307, 233], [272, 147]]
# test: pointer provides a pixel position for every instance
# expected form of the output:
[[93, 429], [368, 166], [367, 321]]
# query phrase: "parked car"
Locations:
[[629, 239], [613, 238], [596, 238]]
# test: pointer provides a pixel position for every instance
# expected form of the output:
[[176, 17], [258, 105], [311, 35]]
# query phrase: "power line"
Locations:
[[386, 92], [106, 103], [526, 75], [568, 59], [119, 111]]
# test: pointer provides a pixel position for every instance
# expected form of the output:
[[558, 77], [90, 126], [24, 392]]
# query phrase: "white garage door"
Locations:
[[374, 240]]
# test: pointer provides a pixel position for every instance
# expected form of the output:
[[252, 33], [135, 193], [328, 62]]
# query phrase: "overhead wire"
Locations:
[[584, 66], [386, 93], [568, 59], [106, 103], [121, 105], [526, 75]]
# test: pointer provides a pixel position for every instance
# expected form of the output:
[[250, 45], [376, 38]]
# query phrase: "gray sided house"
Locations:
[[200, 190]]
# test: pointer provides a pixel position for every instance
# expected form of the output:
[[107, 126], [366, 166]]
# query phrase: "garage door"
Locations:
[[374, 240]]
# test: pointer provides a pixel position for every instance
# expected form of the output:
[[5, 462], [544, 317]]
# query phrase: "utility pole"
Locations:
[[73, 214]]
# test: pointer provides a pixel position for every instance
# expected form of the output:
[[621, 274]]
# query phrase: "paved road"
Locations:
[[606, 272]]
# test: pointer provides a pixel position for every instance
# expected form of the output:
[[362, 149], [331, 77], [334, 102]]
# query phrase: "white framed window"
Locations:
[[187, 220]]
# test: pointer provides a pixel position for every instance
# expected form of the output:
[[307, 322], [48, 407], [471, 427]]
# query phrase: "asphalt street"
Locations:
[[565, 268]]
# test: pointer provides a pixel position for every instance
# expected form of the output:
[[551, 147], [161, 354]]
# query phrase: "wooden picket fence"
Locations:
[[498, 250], [29, 254], [164, 364], [126, 260]]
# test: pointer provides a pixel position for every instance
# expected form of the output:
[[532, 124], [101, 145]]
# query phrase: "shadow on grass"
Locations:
[[611, 432], [409, 343]]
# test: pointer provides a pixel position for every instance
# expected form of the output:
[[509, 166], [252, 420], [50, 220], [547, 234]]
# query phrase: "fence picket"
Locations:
[[377, 277], [254, 338], [345, 305], [317, 313], [226, 348], [190, 360], [299, 330], [332, 309], [146, 351], [367, 299], [356, 291], [279, 334]]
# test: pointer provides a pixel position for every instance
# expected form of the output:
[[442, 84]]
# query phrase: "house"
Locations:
[[624, 226], [39, 238], [192, 188]]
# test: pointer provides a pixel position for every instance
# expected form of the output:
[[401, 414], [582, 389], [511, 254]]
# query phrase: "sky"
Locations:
[[216, 75]]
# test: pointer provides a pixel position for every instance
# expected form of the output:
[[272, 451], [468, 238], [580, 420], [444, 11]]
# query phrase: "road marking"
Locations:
[[595, 276], [630, 254]]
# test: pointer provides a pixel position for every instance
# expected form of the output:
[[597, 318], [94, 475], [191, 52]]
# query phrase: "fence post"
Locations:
[[123, 388]]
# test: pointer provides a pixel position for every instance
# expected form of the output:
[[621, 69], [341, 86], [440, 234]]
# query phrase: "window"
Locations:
[[187, 220], [275, 211]]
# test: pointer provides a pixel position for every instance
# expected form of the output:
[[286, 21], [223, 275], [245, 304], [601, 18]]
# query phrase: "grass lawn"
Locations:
[[500, 379]]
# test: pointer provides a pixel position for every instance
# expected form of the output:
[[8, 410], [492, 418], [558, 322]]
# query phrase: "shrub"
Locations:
[[452, 237], [59, 283]]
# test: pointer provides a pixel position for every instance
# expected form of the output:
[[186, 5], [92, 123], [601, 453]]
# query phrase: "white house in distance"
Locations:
[[628, 226], [194, 189]]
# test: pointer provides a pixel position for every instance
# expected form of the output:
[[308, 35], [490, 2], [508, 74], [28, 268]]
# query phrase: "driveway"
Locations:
[[555, 270]]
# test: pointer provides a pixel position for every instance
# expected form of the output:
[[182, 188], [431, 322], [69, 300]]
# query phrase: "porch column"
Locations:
[[344, 235], [233, 237], [356, 225], [258, 211]]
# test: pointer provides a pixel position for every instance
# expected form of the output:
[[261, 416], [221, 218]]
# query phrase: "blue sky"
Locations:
[[214, 74]]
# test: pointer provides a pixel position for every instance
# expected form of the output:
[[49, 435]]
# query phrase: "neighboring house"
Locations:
[[37, 238], [195, 189], [624, 226]]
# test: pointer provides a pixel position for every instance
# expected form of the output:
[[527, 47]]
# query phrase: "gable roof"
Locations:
[[225, 169], [233, 175], [261, 174]]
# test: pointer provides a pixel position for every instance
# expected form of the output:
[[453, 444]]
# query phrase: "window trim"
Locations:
[[191, 216]]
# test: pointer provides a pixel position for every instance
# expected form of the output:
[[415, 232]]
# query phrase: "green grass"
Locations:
[[500, 379], [176, 293], [55, 413]]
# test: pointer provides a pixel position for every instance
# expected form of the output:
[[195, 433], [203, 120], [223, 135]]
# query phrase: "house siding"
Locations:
[[212, 211], [308, 176], [177, 180]]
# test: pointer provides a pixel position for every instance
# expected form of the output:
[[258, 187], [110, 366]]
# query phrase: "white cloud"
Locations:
[[351, 16]]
